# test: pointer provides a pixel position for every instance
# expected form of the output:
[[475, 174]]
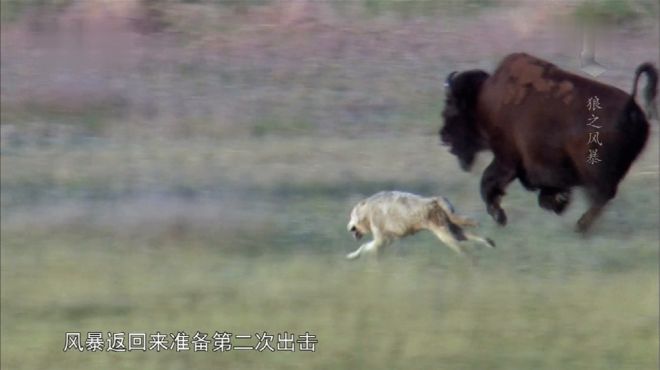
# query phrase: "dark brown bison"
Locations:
[[550, 129]]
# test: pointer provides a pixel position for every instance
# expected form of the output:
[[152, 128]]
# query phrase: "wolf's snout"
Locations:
[[356, 233]]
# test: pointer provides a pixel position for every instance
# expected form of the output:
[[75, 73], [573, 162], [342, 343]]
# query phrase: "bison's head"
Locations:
[[460, 129]]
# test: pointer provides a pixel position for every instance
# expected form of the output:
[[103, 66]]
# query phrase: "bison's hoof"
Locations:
[[583, 224], [555, 202], [561, 202], [498, 215], [546, 203]]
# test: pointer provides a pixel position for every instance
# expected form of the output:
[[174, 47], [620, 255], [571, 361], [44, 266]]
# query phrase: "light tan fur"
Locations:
[[390, 215]]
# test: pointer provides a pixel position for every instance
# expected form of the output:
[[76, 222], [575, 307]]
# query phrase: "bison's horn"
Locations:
[[449, 78]]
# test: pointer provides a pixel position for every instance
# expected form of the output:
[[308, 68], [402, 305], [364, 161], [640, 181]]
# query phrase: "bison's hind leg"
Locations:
[[554, 199], [603, 179], [585, 221], [599, 196]]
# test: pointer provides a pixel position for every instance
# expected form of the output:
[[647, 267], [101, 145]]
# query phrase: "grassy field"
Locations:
[[247, 236], [181, 166]]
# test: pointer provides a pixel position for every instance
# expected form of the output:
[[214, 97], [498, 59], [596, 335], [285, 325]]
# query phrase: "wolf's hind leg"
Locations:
[[448, 238], [485, 241]]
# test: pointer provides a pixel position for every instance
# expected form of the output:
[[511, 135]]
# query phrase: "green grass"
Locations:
[[211, 192], [608, 12], [11, 10], [248, 235], [418, 8], [415, 309]]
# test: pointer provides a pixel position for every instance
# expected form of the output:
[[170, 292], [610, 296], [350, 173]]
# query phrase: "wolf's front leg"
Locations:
[[370, 247], [356, 253]]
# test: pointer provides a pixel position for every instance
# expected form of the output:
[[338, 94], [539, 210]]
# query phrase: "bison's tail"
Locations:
[[651, 89]]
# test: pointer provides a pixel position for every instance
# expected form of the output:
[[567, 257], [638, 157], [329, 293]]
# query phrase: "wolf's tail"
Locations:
[[448, 209], [441, 218]]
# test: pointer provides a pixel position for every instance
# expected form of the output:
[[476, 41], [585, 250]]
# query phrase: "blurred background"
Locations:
[[189, 165]]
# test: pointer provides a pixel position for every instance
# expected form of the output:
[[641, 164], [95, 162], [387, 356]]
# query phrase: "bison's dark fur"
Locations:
[[533, 116]]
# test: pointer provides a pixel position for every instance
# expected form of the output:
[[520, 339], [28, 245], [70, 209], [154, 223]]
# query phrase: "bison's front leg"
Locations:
[[494, 180]]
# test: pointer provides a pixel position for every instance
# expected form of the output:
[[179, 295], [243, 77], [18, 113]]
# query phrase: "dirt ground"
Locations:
[[237, 67]]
